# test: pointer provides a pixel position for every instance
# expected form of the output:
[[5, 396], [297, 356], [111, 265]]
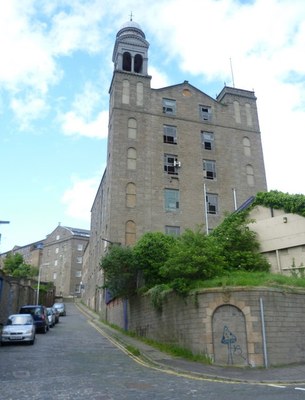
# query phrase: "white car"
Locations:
[[19, 328], [51, 316]]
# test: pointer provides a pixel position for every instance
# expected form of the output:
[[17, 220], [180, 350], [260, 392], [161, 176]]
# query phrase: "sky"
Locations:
[[55, 73]]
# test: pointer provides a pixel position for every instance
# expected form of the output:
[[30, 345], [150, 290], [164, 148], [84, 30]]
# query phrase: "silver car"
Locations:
[[19, 328], [51, 316], [61, 308]]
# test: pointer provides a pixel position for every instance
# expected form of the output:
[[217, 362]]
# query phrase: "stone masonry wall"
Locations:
[[226, 325]]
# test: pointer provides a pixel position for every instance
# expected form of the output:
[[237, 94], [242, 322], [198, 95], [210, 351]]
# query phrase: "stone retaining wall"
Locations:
[[227, 325]]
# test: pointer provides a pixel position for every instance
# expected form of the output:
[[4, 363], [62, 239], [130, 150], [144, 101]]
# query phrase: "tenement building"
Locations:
[[62, 259], [177, 158]]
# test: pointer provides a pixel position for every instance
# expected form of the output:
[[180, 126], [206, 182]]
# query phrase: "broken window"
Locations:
[[169, 106], [171, 164], [209, 168], [169, 134], [207, 140]]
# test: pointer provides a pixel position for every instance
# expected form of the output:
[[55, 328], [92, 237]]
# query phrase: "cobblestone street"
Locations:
[[74, 361]]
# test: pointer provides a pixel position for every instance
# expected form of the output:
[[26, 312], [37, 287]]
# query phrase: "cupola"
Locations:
[[130, 49]]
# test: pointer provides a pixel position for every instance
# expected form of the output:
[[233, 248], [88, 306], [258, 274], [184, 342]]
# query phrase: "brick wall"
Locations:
[[225, 325]]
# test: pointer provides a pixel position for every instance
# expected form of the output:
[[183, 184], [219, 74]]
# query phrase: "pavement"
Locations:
[[285, 375]]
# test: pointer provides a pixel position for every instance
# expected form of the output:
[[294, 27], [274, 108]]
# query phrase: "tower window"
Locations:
[[169, 134], [250, 175], [126, 61], [209, 167], [169, 106], [205, 113], [130, 233], [247, 146], [132, 128], [171, 164], [138, 63], [212, 203], [171, 198], [131, 158]]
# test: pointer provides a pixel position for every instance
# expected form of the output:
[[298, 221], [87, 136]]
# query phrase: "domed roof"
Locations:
[[131, 27], [130, 24]]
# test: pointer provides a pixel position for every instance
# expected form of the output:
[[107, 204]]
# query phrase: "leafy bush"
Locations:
[[239, 244], [120, 271], [15, 266], [151, 253], [193, 256]]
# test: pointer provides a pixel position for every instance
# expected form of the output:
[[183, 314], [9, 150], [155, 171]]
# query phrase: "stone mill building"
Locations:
[[177, 158]]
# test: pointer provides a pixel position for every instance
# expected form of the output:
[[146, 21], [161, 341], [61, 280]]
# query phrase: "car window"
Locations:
[[19, 320]]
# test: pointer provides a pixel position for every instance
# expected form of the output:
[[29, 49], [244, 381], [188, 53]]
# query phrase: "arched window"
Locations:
[[130, 233], [130, 195], [125, 94], [126, 61], [236, 111], [248, 114], [131, 158], [140, 92], [250, 175], [138, 63], [132, 128], [247, 146]]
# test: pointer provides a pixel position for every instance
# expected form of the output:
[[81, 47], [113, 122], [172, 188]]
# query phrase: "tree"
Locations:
[[239, 245], [120, 271], [151, 252], [193, 257], [14, 266]]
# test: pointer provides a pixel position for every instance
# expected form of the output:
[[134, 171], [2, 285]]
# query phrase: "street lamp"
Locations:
[[38, 286], [3, 222], [38, 283]]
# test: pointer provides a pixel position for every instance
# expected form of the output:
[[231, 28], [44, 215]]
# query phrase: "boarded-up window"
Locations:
[[130, 233], [131, 158], [125, 94], [140, 92], [130, 195], [132, 128]]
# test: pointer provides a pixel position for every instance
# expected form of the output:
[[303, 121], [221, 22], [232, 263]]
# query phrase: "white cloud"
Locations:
[[75, 124], [79, 198], [77, 27], [33, 37], [28, 108], [159, 79], [83, 120]]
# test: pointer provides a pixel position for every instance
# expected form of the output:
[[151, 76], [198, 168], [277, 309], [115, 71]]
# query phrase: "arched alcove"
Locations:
[[229, 336]]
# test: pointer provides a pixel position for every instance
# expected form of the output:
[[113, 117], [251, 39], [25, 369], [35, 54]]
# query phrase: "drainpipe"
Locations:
[[234, 199], [205, 209], [278, 261], [263, 332]]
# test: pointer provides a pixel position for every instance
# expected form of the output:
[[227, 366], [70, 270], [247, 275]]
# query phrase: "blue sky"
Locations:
[[55, 72]]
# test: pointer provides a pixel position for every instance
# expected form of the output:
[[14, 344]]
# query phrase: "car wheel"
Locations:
[[45, 329], [32, 341]]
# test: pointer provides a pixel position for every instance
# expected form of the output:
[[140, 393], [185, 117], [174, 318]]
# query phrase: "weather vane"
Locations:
[[131, 16]]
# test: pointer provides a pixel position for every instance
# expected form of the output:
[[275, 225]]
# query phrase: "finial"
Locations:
[[131, 16]]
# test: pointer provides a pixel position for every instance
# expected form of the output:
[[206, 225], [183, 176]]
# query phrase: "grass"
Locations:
[[243, 278], [133, 350], [168, 348]]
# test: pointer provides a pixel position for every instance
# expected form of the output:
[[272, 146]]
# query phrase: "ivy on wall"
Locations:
[[290, 203]]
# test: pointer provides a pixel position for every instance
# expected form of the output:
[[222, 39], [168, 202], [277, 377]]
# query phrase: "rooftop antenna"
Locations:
[[232, 72]]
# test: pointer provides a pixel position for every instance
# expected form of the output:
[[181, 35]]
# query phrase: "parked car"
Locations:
[[61, 308], [51, 316], [19, 328], [39, 314], [56, 312]]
